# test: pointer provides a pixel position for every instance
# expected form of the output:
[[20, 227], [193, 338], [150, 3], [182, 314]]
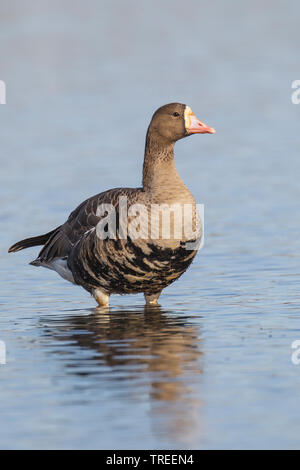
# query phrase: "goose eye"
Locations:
[[176, 114]]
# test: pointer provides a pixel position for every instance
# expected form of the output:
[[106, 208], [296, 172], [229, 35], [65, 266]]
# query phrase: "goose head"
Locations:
[[174, 121]]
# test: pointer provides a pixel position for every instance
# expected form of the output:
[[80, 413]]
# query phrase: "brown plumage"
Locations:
[[126, 265]]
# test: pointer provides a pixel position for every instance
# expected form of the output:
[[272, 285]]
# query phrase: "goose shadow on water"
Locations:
[[146, 352]]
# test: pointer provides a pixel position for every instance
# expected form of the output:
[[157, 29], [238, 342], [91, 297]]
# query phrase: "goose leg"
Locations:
[[151, 299], [101, 297]]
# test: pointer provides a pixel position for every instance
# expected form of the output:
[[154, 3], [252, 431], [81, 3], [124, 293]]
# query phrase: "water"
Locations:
[[210, 368]]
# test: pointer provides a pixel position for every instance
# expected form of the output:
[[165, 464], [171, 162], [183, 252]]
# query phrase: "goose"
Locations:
[[107, 252]]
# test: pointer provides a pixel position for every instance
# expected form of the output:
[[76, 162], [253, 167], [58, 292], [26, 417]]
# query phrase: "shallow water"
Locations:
[[211, 367]]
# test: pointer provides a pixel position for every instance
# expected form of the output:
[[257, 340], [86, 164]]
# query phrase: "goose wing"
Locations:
[[80, 221]]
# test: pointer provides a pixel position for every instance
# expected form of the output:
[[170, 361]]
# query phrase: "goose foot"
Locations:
[[101, 297], [151, 299]]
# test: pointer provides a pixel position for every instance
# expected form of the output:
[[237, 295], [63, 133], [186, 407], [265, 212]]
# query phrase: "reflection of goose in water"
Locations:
[[158, 354]]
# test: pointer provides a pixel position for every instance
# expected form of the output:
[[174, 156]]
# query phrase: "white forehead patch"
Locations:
[[187, 116]]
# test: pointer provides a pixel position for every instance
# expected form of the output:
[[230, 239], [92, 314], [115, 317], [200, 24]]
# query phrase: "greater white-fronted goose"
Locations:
[[106, 252]]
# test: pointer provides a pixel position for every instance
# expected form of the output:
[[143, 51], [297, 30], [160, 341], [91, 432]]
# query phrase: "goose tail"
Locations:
[[33, 241]]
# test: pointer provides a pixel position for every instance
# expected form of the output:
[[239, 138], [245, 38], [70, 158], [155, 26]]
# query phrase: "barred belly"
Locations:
[[127, 266]]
